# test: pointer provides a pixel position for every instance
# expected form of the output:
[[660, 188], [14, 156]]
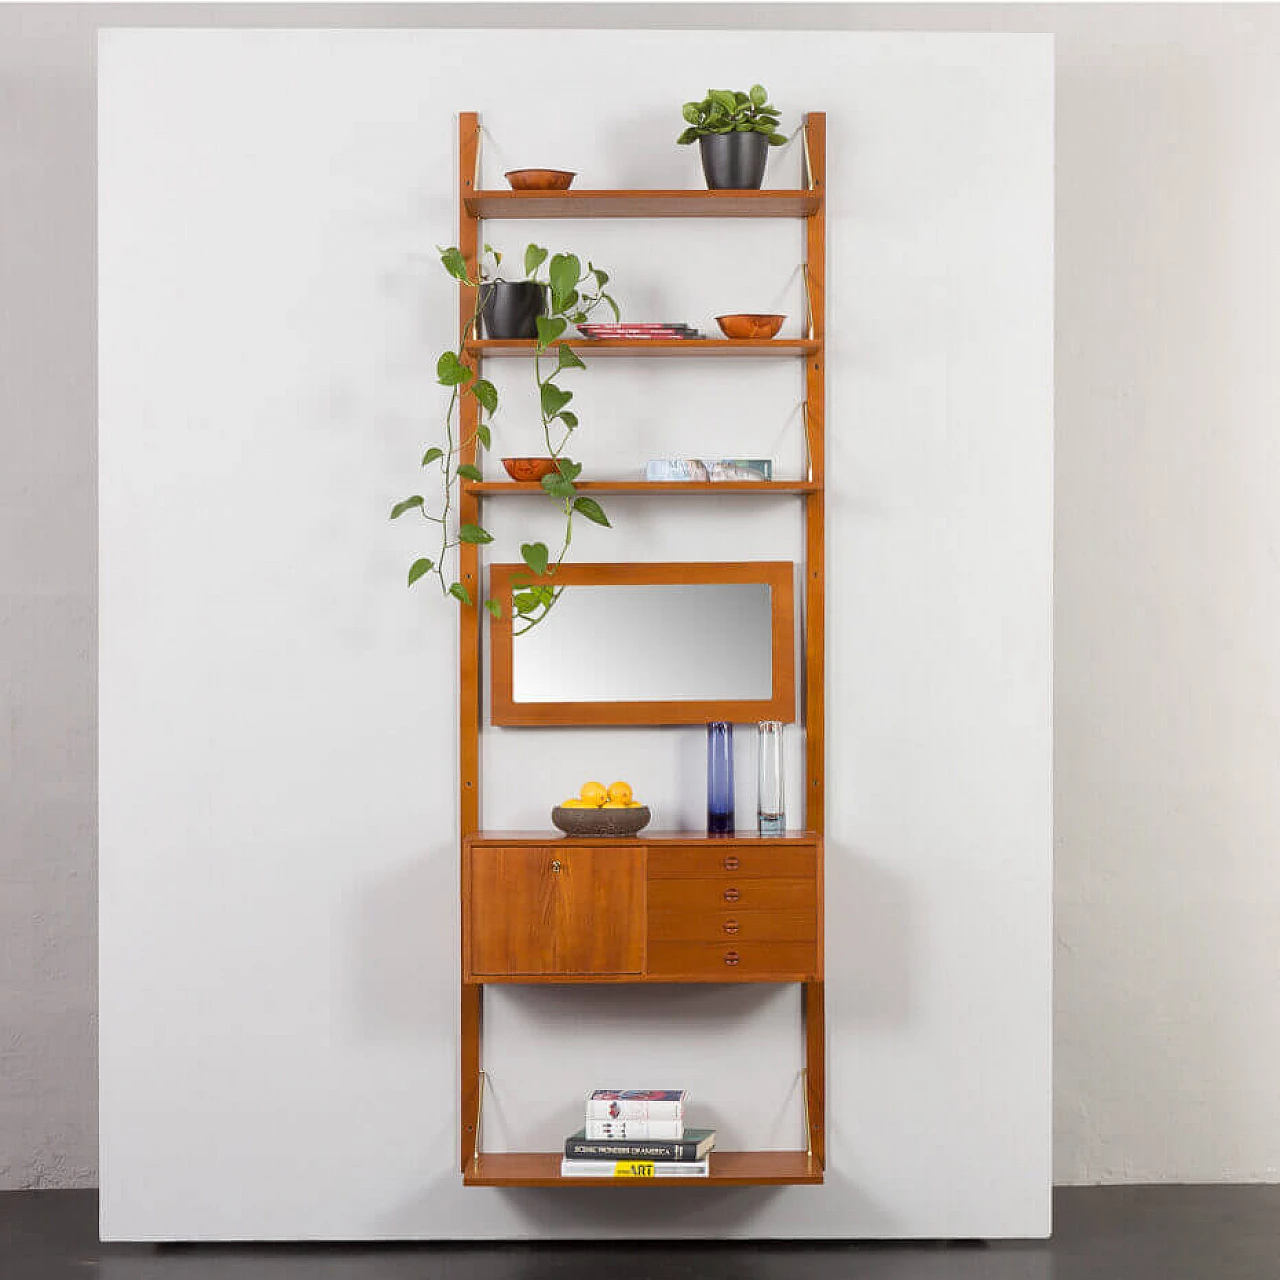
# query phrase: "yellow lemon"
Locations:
[[634, 804], [575, 803], [593, 793], [614, 804], [620, 791]]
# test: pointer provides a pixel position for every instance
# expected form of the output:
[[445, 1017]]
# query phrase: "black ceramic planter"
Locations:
[[734, 161], [510, 308]]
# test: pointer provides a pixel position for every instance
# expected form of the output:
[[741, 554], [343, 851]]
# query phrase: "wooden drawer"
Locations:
[[746, 862], [732, 927], [731, 894], [732, 962]]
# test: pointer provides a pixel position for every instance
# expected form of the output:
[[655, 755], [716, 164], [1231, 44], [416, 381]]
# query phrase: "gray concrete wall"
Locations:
[[1167, 1000]]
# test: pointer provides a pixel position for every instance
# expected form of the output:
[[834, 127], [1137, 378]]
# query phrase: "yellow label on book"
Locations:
[[633, 1169]]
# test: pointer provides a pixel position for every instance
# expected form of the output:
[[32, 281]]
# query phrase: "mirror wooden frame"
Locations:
[[781, 705]]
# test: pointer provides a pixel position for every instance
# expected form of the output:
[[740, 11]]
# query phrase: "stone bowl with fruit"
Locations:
[[598, 811]]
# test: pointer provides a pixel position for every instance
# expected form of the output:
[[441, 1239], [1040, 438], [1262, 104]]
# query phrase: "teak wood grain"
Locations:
[[781, 705], [727, 1169], [658, 348], [642, 203]]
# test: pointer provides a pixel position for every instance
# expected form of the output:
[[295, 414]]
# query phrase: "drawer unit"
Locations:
[[732, 893], [733, 962], [743, 861], [732, 926]]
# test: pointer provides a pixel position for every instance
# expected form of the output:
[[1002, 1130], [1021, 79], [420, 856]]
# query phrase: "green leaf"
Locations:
[[602, 277], [565, 273], [474, 533], [692, 112], [550, 329], [545, 594], [431, 455], [688, 136], [723, 98], [451, 371], [468, 472], [593, 511], [534, 256], [407, 505], [569, 418], [535, 556], [758, 95], [553, 399], [741, 99], [777, 140], [486, 393], [569, 359], [458, 591], [613, 306], [454, 263], [561, 302], [569, 469], [557, 486], [525, 601], [494, 607], [484, 435], [418, 568]]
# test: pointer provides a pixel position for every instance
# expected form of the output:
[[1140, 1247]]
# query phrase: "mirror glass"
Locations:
[[657, 641]]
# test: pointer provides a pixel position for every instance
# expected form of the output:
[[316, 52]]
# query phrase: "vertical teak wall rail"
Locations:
[[469, 626], [815, 127]]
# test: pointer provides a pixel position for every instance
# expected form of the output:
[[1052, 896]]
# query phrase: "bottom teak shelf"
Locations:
[[728, 1169]]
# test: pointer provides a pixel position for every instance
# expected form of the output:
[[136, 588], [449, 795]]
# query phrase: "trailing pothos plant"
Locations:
[[572, 294]]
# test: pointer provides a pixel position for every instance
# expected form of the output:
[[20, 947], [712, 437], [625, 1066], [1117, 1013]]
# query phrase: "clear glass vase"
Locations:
[[720, 779], [771, 805]]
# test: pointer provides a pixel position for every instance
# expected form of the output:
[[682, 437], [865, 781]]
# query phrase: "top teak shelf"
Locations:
[[643, 204]]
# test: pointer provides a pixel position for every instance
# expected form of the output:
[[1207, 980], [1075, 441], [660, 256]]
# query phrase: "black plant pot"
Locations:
[[510, 308], [734, 161]]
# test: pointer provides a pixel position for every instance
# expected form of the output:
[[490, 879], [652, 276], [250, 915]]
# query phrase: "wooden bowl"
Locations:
[[595, 823], [747, 325], [527, 470], [539, 179]]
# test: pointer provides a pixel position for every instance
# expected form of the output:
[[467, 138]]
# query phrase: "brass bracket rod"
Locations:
[[804, 1094], [475, 1151]]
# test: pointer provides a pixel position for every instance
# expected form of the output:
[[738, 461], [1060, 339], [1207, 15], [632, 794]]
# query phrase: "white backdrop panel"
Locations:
[[278, 771]]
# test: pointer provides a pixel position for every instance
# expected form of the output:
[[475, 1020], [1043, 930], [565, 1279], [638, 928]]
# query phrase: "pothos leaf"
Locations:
[[407, 505], [568, 358], [549, 329], [554, 399], [535, 556], [431, 456], [454, 263], [593, 511], [486, 393], [484, 435], [459, 592], [534, 256], [418, 568], [494, 607], [468, 472], [474, 533], [451, 371]]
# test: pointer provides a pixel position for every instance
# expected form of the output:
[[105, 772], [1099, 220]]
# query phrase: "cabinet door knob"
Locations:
[[731, 957], [731, 862], [731, 895], [555, 864], [731, 926]]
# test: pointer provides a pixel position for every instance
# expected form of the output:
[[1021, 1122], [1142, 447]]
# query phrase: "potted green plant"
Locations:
[[734, 131], [569, 295]]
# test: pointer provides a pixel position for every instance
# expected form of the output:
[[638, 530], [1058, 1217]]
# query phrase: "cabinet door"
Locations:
[[556, 912]]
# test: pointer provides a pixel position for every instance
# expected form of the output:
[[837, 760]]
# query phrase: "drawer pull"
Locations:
[[731, 862], [731, 926], [555, 865], [731, 895], [731, 957]]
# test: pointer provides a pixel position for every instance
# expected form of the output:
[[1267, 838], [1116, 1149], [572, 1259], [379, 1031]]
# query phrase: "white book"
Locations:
[[634, 1130], [634, 1168], [636, 1104]]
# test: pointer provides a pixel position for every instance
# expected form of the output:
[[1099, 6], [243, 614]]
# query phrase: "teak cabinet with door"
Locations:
[[660, 907]]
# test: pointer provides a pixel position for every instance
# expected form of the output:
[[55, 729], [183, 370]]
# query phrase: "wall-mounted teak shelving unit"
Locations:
[[669, 907]]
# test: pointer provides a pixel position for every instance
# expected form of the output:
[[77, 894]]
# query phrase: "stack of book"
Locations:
[[637, 1133], [646, 330]]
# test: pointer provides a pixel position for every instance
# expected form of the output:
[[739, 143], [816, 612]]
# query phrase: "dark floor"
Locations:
[[1100, 1233]]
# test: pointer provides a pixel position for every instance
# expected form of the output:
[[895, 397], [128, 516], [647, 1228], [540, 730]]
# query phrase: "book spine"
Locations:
[[632, 1169], [634, 1130], [633, 1109], [659, 1152]]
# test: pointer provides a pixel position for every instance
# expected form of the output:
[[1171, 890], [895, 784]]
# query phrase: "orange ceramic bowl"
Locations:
[[527, 470], [747, 325], [540, 179]]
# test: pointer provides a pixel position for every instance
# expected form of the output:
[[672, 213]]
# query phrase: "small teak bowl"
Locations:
[[527, 470], [597, 823], [540, 179], [748, 325]]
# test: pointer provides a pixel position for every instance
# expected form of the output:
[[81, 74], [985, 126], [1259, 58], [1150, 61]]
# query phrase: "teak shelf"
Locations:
[[538, 907], [733, 349], [643, 204]]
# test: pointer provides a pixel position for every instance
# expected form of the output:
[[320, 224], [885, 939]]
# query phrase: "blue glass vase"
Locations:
[[720, 779]]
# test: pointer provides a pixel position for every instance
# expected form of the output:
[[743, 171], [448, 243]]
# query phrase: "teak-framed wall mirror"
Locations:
[[647, 644]]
